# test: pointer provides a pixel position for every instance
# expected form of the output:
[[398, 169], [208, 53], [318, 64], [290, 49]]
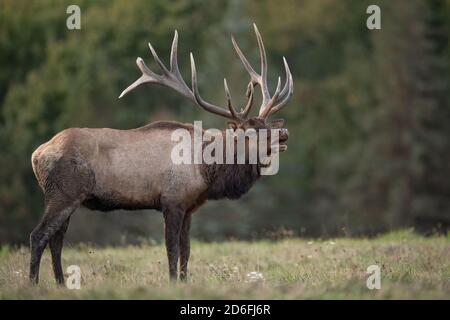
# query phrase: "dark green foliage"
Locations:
[[369, 120]]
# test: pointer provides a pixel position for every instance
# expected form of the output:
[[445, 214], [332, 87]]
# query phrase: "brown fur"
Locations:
[[229, 180], [106, 169]]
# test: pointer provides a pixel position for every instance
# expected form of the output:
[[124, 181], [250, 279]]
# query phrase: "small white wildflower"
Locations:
[[255, 276], [309, 257], [18, 272], [310, 242], [332, 243]]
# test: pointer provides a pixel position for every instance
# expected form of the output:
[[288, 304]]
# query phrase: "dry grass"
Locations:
[[411, 267]]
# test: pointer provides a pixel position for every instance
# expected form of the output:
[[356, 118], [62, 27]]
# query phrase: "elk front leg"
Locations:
[[173, 221], [185, 246]]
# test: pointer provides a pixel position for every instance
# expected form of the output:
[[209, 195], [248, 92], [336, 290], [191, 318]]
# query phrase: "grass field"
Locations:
[[411, 267]]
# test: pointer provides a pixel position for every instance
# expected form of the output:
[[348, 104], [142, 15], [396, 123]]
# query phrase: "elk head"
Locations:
[[171, 77]]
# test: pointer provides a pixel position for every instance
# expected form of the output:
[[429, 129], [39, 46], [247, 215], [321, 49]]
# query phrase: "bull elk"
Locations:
[[106, 169]]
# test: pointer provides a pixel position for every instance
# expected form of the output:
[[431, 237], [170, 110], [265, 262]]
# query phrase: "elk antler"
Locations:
[[269, 105], [172, 78]]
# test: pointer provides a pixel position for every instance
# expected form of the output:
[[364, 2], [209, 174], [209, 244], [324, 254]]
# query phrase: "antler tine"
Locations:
[[202, 103], [228, 96], [263, 58], [174, 57], [288, 77], [247, 108], [287, 91], [253, 75], [265, 112], [147, 76], [158, 61]]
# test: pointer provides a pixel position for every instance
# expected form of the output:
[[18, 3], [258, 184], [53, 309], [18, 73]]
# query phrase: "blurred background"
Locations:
[[369, 147]]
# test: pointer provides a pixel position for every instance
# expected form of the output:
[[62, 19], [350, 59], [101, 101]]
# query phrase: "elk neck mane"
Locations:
[[229, 180]]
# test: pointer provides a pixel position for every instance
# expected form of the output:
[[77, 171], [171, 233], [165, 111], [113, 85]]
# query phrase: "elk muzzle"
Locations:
[[284, 136]]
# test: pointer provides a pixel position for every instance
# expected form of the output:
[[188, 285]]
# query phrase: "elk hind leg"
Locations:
[[56, 244], [57, 213]]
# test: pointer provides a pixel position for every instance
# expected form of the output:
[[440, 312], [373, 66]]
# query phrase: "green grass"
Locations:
[[411, 267]]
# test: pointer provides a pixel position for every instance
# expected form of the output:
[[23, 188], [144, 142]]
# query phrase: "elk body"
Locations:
[[106, 169]]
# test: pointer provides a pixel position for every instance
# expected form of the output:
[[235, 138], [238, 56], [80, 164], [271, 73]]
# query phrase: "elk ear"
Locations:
[[276, 124], [232, 125]]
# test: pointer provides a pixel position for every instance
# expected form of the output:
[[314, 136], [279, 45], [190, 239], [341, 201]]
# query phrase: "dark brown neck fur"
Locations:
[[229, 180]]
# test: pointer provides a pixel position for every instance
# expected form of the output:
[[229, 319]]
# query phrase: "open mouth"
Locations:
[[282, 143], [284, 135], [283, 147]]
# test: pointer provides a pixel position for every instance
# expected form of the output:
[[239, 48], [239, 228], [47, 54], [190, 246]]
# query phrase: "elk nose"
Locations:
[[284, 134]]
